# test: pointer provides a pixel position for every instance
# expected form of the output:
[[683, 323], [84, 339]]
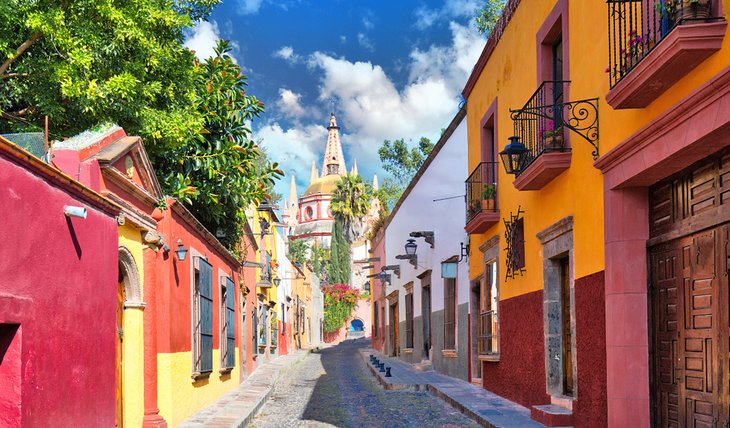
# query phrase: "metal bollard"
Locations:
[[387, 372], [382, 367]]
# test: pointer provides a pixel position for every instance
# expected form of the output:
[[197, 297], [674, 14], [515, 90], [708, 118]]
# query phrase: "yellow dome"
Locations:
[[326, 184]]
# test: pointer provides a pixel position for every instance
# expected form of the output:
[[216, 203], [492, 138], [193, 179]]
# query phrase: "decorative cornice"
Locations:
[[561, 227], [489, 244], [692, 104]]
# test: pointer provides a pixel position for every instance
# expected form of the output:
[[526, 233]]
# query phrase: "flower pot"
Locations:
[[554, 143], [549, 141], [692, 11], [488, 204]]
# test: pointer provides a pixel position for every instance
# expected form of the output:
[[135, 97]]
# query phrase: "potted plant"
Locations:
[[488, 195], [552, 137], [666, 9], [690, 9]]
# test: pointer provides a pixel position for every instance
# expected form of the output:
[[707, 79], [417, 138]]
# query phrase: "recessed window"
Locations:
[[309, 213], [488, 311], [202, 312], [450, 313]]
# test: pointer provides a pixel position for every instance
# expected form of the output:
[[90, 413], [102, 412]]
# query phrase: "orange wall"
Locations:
[[510, 77]]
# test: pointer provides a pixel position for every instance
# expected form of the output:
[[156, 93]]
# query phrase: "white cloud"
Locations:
[[367, 23], [289, 103], [202, 39], [294, 149], [365, 42], [287, 54], [372, 108], [249, 7], [451, 9], [343, 39]]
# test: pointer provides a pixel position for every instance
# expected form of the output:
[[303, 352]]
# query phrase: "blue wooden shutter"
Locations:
[[231, 323], [254, 329], [206, 316]]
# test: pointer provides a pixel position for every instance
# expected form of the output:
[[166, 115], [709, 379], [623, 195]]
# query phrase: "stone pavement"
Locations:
[[488, 409], [238, 407]]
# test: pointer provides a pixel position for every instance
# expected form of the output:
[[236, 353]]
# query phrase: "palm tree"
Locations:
[[350, 203]]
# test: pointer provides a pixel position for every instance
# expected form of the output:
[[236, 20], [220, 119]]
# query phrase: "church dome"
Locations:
[[326, 185]]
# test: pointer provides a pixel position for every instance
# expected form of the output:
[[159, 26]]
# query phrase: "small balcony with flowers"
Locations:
[[652, 44], [540, 149], [482, 209]]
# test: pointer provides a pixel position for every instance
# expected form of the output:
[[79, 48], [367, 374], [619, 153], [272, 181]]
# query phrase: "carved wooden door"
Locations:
[[687, 319]]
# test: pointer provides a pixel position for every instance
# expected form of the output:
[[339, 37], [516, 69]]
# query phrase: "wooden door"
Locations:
[[426, 315], [688, 319], [119, 354], [394, 329]]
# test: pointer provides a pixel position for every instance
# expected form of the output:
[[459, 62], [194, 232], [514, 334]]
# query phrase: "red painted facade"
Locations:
[[377, 293], [58, 288]]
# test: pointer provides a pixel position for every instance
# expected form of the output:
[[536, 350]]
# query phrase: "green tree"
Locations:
[[488, 16], [350, 203], [320, 259], [85, 62], [219, 172], [402, 163], [297, 250], [338, 271]]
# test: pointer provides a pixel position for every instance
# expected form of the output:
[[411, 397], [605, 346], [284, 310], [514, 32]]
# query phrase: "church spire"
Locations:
[[354, 167], [375, 182], [314, 174], [334, 159]]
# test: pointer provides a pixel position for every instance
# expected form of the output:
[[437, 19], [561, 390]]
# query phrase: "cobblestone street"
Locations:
[[334, 388]]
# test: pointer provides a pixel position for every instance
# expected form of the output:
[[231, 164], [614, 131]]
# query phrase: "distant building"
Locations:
[[309, 216]]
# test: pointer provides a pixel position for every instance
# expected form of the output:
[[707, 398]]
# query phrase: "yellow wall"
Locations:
[[133, 343], [180, 397], [510, 76]]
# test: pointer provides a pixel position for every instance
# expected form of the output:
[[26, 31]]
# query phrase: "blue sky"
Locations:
[[394, 69]]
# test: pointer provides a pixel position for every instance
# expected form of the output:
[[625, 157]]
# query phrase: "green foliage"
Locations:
[[297, 250], [338, 271], [402, 163], [488, 16], [85, 62], [339, 302], [220, 171], [320, 260], [350, 203]]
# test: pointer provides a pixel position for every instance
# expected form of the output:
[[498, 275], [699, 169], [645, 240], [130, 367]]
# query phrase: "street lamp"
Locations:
[[513, 155], [411, 247], [181, 251]]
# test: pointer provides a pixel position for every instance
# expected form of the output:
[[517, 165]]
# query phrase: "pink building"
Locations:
[[58, 297]]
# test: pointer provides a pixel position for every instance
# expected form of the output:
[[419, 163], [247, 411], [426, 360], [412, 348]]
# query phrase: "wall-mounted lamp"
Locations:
[[181, 251], [383, 277], [449, 267], [277, 281], [410, 254], [513, 155], [394, 268], [71, 211], [464, 251], [426, 235]]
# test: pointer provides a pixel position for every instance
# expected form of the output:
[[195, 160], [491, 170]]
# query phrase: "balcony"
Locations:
[[653, 44], [542, 125], [482, 210]]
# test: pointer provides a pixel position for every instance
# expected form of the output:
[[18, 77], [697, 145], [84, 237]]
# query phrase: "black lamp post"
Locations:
[[181, 251], [513, 155]]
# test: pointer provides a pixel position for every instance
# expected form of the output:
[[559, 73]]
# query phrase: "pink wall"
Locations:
[[58, 281]]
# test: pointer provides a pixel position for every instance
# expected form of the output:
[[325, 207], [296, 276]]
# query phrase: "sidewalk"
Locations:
[[486, 408], [238, 407]]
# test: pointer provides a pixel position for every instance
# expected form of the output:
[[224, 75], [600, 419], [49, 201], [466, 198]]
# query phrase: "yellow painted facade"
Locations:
[[510, 77], [179, 397], [301, 289], [133, 328]]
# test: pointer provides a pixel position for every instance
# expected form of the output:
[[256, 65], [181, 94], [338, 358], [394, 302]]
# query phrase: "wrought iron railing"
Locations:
[[481, 190], [635, 27], [544, 121]]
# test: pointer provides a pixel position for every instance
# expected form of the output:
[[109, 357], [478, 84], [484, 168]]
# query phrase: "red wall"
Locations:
[[590, 334], [520, 374], [58, 280], [377, 293]]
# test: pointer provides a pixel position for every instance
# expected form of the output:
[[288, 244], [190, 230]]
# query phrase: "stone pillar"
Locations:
[[152, 416]]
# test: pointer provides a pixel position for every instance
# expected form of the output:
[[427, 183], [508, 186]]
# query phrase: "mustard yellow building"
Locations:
[[581, 224]]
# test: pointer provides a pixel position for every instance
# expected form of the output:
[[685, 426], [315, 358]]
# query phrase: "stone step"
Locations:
[[552, 415]]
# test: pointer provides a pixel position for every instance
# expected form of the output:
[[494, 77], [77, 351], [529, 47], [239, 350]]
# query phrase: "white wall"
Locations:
[[443, 178]]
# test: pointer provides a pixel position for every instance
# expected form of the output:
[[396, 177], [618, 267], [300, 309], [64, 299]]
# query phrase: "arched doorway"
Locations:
[[128, 294], [357, 325]]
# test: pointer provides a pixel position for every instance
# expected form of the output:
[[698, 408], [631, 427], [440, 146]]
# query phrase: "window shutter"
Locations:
[[206, 316], [231, 323], [254, 330]]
